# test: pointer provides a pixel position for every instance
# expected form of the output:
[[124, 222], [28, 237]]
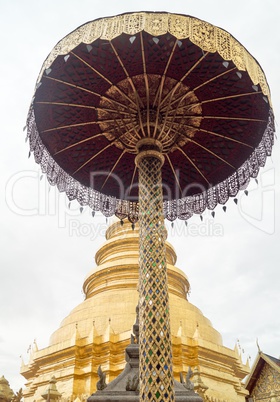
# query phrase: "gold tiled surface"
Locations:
[[97, 331]]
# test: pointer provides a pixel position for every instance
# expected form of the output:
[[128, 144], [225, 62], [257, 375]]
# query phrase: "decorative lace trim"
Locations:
[[182, 208], [203, 34]]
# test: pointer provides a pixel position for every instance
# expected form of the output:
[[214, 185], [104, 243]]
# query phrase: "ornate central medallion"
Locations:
[[149, 106]]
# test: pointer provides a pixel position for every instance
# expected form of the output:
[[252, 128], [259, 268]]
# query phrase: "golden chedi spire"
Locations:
[[6, 393], [111, 291], [96, 332]]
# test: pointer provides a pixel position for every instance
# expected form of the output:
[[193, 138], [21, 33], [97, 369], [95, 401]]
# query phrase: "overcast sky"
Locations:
[[46, 250]]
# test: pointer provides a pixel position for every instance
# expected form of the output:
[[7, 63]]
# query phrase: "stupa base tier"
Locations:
[[125, 388], [124, 396]]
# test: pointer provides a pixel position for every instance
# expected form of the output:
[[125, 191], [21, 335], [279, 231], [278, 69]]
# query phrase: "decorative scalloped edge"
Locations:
[[205, 35], [201, 33], [182, 208]]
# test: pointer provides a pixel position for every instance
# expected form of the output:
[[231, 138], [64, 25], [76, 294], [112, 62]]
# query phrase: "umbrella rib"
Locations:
[[72, 85], [137, 97], [115, 164], [160, 89], [211, 152], [170, 94], [131, 146], [66, 104], [206, 149], [231, 97], [105, 78], [166, 119], [78, 143], [162, 137], [127, 130], [146, 84], [79, 125], [220, 135], [193, 164], [214, 78], [92, 68], [89, 91], [82, 106], [94, 156], [173, 171], [88, 139], [189, 107], [219, 117], [132, 180], [232, 118], [180, 99], [177, 100], [209, 132], [69, 126]]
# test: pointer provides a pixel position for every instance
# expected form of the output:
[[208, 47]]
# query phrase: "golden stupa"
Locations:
[[97, 331]]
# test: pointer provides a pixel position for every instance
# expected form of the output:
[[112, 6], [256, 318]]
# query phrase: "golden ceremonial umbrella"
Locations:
[[151, 116]]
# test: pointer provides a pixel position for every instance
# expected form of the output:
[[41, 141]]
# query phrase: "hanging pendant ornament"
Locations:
[[129, 119]]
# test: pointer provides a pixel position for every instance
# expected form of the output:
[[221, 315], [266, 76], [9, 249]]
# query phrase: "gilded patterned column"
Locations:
[[155, 360]]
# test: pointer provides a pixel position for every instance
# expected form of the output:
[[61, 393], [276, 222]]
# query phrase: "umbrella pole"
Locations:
[[155, 359]]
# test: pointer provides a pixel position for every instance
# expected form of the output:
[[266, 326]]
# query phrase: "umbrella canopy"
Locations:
[[173, 78]]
